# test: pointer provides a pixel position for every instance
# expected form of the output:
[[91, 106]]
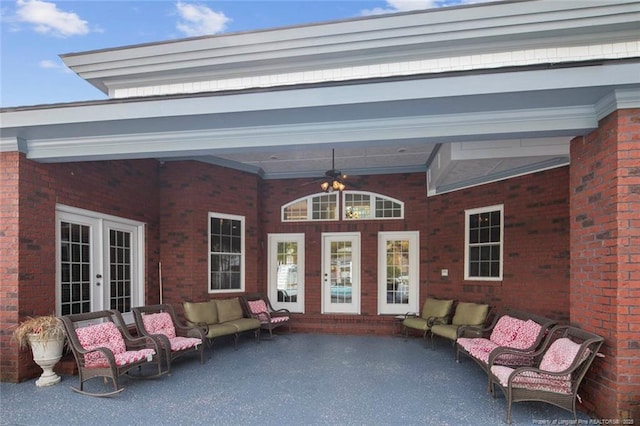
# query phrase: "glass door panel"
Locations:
[[398, 273], [341, 273], [286, 271]]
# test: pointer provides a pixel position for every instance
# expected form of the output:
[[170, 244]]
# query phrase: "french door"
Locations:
[[286, 271], [99, 262], [341, 273]]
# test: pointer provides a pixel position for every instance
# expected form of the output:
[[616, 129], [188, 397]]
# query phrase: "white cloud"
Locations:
[[46, 18], [47, 63], [401, 6], [53, 65], [199, 20], [394, 6]]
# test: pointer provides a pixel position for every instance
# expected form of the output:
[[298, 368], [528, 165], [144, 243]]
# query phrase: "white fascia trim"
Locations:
[[618, 99], [13, 144], [425, 128], [476, 28], [349, 94]]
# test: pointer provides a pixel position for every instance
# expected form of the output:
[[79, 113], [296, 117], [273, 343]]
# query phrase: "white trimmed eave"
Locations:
[[426, 34], [243, 130]]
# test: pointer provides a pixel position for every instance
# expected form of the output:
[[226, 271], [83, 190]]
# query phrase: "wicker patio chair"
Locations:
[[176, 339], [434, 311], [557, 370], [260, 308], [103, 347]]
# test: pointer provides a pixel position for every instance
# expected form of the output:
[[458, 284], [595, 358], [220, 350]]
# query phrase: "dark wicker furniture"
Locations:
[[259, 307], [175, 338], [103, 347], [573, 353]]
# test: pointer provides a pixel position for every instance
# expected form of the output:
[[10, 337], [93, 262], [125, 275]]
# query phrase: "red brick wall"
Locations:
[[121, 188], [189, 190], [605, 259], [409, 188], [9, 272], [536, 244]]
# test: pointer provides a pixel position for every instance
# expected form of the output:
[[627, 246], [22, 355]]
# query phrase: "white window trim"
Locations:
[[467, 247], [309, 200], [273, 239], [372, 205], [385, 308], [242, 252]]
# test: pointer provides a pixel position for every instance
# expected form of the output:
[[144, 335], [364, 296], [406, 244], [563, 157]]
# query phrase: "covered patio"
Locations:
[[294, 379], [526, 111]]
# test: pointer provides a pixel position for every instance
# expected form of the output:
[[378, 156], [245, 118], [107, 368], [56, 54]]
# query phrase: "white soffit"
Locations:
[[518, 32], [463, 164]]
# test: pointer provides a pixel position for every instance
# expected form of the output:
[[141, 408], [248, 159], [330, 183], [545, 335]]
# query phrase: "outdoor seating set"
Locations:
[[529, 357], [104, 346]]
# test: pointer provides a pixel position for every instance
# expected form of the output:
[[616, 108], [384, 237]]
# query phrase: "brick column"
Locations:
[[605, 259], [9, 253]]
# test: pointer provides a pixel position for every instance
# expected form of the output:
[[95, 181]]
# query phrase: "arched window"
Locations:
[[313, 207], [357, 205]]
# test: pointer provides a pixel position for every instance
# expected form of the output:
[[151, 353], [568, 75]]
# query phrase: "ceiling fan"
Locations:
[[333, 180]]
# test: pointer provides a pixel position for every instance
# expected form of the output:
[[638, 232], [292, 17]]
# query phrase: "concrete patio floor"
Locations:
[[296, 379]]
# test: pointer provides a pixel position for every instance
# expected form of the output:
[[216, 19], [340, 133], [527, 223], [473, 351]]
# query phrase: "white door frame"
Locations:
[[100, 225], [328, 307]]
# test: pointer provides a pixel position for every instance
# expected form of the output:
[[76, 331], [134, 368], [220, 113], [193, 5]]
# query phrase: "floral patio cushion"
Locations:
[[527, 335], [182, 343], [506, 330], [560, 355], [259, 308], [533, 380], [159, 323], [106, 335], [557, 358]]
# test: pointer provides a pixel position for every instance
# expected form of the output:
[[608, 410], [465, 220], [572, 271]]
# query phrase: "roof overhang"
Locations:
[[475, 125]]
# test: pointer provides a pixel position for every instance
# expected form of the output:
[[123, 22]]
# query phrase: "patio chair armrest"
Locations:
[[105, 351], [411, 315], [204, 326], [470, 331], [431, 321]]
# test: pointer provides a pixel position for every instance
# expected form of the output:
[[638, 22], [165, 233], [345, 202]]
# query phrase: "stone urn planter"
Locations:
[[45, 336], [46, 353]]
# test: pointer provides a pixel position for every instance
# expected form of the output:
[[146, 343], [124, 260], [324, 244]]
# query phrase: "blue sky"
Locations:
[[34, 32]]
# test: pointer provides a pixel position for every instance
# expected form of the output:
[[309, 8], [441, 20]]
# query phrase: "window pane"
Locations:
[[287, 274], [485, 242], [226, 254], [398, 271], [296, 211], [324, 207]]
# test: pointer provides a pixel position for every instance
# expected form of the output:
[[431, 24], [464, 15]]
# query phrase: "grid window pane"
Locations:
[[119, 262], [485, 243], [324, 207], [226, 254], [75, 266]]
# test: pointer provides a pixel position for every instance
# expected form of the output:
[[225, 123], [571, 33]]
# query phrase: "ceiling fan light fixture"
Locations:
[[325, 186]]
